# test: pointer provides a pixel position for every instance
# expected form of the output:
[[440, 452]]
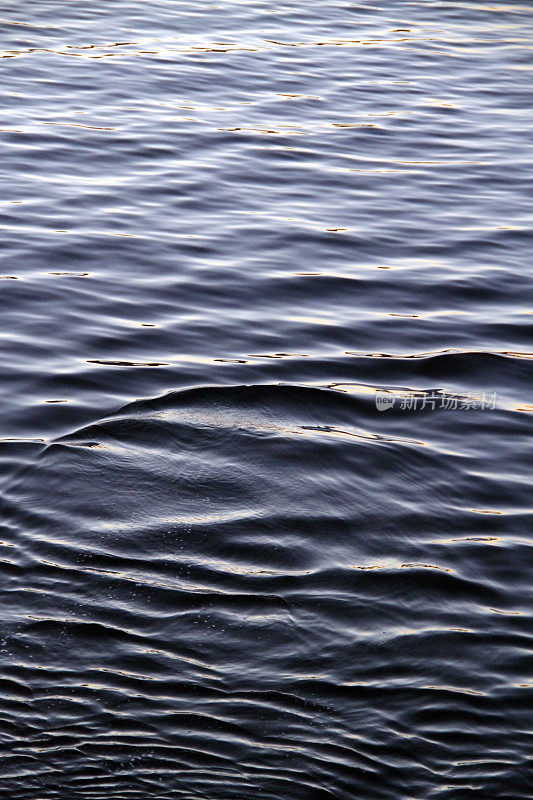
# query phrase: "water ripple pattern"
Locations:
[[265, 432]]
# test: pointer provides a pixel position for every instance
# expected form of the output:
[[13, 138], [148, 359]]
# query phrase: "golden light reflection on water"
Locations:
[[412, 163]]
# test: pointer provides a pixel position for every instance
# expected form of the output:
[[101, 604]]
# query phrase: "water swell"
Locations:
[[237, 601]]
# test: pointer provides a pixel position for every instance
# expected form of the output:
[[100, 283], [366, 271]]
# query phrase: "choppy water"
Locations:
[[231, 233]]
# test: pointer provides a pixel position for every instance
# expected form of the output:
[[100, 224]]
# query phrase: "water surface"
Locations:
[[230, 231]]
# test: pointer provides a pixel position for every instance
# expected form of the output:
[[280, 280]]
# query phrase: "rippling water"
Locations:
[[265, 435]]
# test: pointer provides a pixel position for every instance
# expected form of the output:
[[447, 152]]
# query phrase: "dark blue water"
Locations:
[[265, 352]]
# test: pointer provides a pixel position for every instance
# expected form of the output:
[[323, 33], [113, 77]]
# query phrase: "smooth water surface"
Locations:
[[265, 352]]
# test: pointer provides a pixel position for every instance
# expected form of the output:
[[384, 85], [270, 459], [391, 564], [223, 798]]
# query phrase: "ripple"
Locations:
[[219, 561], [224, 571]]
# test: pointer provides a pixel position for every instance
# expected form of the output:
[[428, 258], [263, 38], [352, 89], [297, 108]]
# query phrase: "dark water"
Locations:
[[239, 558]]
